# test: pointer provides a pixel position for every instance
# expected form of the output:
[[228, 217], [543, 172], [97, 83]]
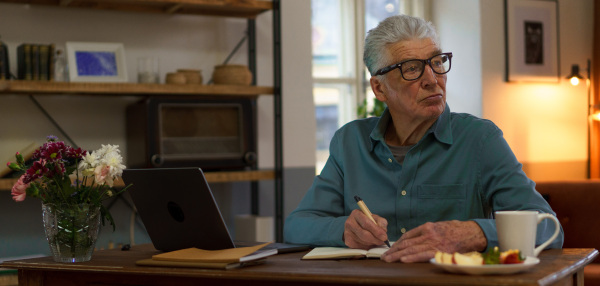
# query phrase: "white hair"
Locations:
[[392, 30]]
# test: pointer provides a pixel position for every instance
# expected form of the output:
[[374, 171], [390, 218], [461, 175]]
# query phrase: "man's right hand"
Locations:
[[361, 232]]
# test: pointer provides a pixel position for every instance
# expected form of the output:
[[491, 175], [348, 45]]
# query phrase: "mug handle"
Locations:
[[542, 217]]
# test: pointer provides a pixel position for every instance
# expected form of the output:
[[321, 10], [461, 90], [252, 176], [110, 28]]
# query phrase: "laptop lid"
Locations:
[[177, 208]]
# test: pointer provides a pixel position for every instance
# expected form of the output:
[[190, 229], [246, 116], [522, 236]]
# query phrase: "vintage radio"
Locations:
[[212, 133]]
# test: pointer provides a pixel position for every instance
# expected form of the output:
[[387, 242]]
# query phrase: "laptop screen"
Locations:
[[177, 208]]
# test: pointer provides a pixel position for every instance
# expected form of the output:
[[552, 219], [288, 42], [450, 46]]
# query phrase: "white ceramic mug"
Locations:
[[517, 230]]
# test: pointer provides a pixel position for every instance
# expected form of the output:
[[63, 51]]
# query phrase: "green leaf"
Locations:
[[106, 215], [20, 159], [33, 191], [378, 108], [14, 166], [492, 256]]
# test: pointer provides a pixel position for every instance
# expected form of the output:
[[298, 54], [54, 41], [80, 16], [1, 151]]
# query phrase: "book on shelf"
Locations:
[[44, 62], [216, 259], [24, 62], [51, 61], [345, 253], [35, 61], [4, 67]]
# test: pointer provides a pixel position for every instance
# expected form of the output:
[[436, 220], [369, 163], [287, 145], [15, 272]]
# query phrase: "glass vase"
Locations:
[[71, 230]]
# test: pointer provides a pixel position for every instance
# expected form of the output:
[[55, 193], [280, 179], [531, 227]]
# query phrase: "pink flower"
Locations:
[[19, 190], [103, 175]]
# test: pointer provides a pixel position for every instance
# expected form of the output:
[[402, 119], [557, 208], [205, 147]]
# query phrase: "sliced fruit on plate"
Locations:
[[472, 258], [494, 256], [512, 256], [443, 257]]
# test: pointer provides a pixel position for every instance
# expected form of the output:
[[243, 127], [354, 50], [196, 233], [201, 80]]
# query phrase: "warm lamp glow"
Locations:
[[596, 116], [574, 81], [574, 77]]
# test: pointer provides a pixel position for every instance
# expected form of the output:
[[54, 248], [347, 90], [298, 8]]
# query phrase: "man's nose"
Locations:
[[429, 77]]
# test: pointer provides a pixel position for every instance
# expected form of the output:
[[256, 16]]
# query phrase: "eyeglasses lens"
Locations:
[[412, 70]]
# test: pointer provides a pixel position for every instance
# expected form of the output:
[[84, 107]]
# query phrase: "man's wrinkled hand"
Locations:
[[361, 232], [421, 243]]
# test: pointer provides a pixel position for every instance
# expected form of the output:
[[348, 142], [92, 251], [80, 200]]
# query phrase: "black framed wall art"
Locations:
[[531, 31]]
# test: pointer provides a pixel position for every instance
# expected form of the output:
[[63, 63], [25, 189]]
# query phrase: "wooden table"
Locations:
[[116, 267]]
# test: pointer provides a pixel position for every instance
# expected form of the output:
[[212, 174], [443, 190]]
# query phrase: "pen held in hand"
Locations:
[[366, 211]]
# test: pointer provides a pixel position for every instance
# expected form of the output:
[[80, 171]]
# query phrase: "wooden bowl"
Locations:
[[175, 78], [232, 75], [191, 76]]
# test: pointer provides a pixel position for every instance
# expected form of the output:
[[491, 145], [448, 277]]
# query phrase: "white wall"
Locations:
[[457, 22], [299, 123]]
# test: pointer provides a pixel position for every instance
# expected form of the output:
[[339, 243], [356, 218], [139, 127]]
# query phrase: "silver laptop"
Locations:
[[177, 208]]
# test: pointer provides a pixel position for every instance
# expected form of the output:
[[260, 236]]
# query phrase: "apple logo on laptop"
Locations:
[[175, 211]]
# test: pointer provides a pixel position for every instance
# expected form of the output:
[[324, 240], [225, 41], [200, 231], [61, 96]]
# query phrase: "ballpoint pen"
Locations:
[[366, 211]]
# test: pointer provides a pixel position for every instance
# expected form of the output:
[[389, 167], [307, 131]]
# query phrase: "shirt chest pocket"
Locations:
[[441, 202]]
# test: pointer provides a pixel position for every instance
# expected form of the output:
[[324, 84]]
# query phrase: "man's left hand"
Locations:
[[421, 243]]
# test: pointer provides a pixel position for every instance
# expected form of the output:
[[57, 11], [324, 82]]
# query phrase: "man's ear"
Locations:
[[378, 88]]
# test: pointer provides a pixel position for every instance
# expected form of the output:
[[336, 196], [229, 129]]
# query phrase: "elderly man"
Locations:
[[432, 178]]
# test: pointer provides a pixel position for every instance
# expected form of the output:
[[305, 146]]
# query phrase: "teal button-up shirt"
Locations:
[[462, 169]]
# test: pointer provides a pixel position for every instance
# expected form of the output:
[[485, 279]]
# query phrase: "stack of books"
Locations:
[[35, 62]]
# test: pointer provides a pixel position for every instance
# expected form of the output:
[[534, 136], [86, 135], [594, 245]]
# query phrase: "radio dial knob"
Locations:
[[156, 160], [250, 157]]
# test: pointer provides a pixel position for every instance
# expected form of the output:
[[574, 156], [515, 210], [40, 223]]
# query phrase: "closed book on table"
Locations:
[[216, 259], [24, 62]]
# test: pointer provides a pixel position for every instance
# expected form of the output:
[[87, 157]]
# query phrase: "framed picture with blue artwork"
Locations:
[[96, 62]]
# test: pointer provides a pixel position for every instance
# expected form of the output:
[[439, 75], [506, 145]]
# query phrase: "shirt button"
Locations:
[[390, 160], [403, 192], [403, 230]]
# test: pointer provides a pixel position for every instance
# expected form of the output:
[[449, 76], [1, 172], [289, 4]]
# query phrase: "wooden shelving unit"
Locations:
[[248, 9], [225, 8], [211, 177], [121, 89]]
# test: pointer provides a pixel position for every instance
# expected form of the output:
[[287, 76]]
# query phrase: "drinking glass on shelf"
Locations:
[[148, 70]]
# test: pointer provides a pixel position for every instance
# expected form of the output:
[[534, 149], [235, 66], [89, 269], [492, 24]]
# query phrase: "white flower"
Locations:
[[88, 164], [114, 160], [104, 164]]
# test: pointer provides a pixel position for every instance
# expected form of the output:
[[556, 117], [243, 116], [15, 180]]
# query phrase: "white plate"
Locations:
[[488, 269]]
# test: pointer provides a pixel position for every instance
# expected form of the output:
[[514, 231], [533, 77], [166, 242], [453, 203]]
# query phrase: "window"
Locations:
[[340, 78]]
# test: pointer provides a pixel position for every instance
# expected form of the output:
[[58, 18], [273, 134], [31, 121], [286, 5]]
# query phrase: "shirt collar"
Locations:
[[441, 128]]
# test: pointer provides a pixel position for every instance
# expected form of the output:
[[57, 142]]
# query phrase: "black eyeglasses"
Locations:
[[413, 69]]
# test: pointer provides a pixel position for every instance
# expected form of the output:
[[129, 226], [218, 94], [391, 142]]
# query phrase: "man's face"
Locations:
[[417, 100]]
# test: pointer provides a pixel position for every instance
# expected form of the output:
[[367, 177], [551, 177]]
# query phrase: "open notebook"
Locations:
[[345, 253]]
